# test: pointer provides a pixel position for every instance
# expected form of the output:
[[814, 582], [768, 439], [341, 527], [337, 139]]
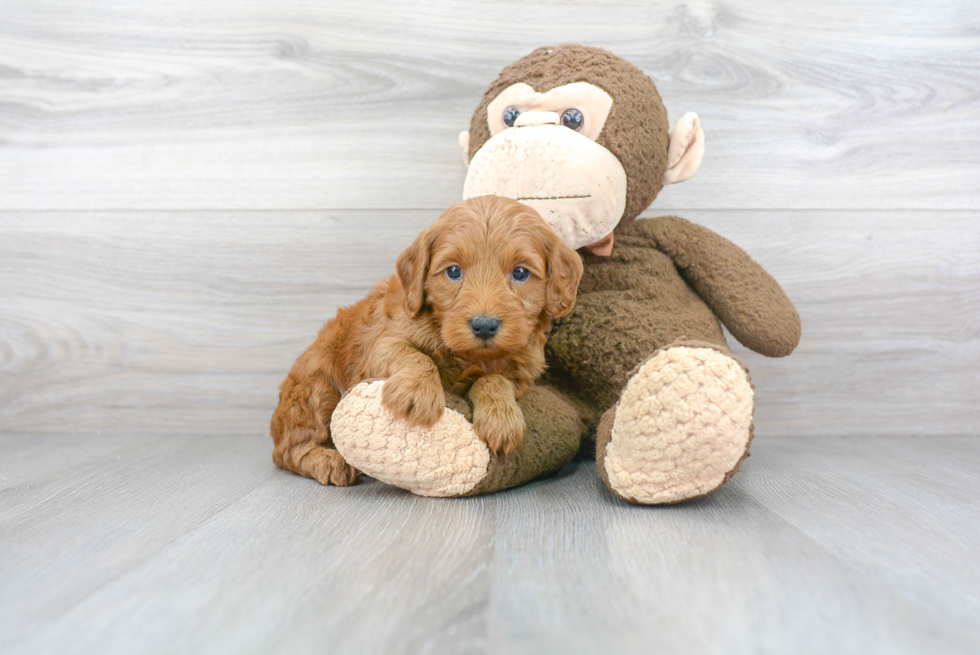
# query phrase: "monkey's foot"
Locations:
[[446, 459], [680, 430]]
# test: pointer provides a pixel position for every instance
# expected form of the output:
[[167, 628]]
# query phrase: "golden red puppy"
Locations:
[[468, 312]]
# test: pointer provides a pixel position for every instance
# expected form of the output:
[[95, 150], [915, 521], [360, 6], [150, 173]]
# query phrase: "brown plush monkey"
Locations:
[[641, 362]]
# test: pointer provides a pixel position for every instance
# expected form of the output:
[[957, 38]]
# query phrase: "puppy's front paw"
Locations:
[[418, 401], [500, 424]]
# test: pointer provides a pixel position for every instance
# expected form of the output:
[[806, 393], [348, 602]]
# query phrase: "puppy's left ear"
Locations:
[[413, 266], [564, 274]]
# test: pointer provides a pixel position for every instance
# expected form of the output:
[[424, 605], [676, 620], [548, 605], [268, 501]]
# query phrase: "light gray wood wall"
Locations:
[[189, 189]]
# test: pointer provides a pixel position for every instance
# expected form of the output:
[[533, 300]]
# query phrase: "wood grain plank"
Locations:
[[889, 303], [220, 105], [930, 484], [820, 545], [290, 566], [67, 533], [729, 573], [25, 468], [115, 314], [173, 323]]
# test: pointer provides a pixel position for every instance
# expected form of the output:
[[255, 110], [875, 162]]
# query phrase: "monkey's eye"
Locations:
[[510, 115], [454, 272], [573, 119], [520, 274]]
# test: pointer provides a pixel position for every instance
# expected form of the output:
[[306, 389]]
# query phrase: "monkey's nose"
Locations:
[[484, 327], [536, 118]]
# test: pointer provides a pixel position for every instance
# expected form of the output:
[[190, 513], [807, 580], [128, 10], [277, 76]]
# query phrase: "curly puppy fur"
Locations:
[[416, 329]]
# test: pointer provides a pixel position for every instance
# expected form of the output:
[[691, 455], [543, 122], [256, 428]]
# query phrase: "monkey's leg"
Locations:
[[681, 428], [676, 410], [448, 459]]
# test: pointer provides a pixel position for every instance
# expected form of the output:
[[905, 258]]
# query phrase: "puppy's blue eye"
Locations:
[[454, 272], [510, 115], [520, 274]]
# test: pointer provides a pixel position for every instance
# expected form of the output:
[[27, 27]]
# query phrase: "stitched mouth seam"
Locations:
[[554, 197]]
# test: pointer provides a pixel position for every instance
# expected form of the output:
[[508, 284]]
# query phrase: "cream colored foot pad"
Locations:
[[447, 459], [682, 423]]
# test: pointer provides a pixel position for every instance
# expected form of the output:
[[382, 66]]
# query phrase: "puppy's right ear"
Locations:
[[413, 266], [564, 274]]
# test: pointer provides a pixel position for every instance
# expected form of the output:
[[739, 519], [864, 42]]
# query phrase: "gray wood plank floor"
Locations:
[[198, 544]]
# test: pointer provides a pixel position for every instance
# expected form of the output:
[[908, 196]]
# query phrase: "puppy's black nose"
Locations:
[[484, 327]]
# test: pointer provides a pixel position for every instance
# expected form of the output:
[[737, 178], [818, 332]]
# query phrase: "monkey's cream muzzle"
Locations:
[[577, 186]]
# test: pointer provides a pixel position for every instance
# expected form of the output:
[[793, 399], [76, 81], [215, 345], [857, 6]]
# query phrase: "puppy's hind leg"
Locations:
[[318, 461], [301, 433]]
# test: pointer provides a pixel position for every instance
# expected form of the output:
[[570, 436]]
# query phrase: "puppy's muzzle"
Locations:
[[484, 327]]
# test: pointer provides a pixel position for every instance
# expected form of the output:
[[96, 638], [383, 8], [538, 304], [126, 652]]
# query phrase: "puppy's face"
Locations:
[[491, 271]]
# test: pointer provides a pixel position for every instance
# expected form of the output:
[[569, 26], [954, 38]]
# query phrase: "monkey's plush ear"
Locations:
[[464, 143], [686, 149], [564, 275], [413, 266]]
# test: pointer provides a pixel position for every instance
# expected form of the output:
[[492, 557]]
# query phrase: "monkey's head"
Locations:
[[581, 136]]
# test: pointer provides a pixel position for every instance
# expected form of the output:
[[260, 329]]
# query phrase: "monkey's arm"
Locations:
[[741, 293]]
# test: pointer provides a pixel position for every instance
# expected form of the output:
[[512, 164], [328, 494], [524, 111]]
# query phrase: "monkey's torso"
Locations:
[[629, 305]]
